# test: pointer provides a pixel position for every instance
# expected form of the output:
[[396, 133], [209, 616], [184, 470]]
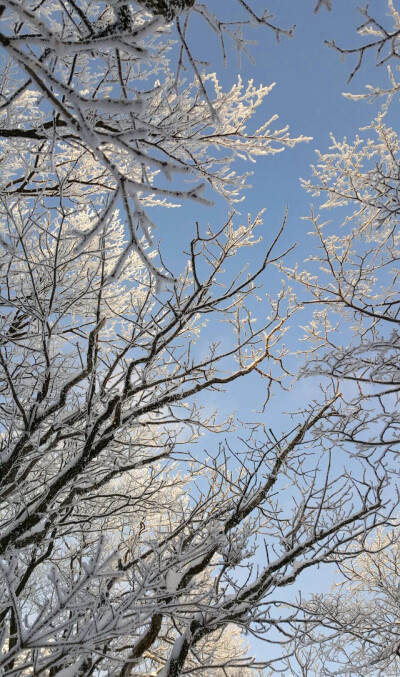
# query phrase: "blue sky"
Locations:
[[310, 79]]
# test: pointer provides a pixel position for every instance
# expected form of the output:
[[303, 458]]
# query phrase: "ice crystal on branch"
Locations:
[[122, 550], [95, 105]]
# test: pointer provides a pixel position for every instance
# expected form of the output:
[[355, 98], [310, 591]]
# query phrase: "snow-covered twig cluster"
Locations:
[[122, 551], [95, 103]]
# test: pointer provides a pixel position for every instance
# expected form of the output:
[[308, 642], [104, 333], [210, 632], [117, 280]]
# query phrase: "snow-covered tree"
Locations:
[[380, 36], [360, 635], [353, 337], [124, 551], [99, 102], [352, 279]]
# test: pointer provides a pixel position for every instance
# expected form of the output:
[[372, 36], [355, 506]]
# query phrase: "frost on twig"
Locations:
[[351, 284], [100, 106], [380, 39], [125, 548]]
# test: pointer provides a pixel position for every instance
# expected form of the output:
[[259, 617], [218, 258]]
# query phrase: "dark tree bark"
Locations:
[[168, 8]]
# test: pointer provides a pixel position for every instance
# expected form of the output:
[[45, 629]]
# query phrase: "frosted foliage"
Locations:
[[379, 36], [353, 343], [362, 175], [98, 103], [353, 282], [361, 634], [125, 548]]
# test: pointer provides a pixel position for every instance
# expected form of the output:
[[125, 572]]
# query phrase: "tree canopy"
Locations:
[[126, 548]]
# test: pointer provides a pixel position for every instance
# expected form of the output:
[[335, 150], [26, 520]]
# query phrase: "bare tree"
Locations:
[[353, 337], [353, 283], [122, 550], [352, 280], [360, 632], [94, 87], [382, 38]]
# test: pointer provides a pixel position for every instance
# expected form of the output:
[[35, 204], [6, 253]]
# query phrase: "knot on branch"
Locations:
[[169, 9]]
